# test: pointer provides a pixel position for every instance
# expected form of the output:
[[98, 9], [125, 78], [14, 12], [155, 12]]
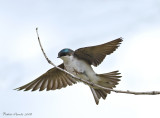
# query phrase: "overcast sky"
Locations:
[[74, 24]]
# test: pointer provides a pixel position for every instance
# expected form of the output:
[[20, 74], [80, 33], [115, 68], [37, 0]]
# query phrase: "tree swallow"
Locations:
[[79, 63]]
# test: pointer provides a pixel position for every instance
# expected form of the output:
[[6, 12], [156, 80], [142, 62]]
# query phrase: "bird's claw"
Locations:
[[75, 71]]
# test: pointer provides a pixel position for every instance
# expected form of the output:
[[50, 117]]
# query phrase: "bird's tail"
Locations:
[[108, 80]]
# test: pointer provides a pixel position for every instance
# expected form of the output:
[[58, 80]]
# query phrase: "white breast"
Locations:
[[71, 64]]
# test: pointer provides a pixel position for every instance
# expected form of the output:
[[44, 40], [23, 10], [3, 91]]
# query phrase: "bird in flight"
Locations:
[[79, 63]]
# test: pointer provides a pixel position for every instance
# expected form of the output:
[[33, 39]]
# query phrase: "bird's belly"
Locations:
[[82, 70], [74, 68]]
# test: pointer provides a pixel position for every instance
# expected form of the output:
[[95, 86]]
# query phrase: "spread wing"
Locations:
[[94, 55], [51, 80]]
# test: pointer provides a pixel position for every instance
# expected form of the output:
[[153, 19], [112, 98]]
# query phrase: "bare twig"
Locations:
[[93, 84]]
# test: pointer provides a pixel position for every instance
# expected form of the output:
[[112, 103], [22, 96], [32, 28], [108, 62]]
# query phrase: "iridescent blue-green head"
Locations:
[[65, 52]]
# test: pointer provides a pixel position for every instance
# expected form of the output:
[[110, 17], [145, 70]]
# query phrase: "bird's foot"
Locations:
[[92, 84], [77, 73]]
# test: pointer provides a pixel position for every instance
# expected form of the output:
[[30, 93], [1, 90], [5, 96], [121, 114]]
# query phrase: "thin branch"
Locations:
[[50, 62], [90, 83]]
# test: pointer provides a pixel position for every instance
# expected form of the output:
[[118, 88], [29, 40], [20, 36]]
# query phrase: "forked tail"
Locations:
[[108, 80]]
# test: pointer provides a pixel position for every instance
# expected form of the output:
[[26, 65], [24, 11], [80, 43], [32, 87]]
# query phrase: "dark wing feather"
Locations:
[[94, 55], [51, 80]]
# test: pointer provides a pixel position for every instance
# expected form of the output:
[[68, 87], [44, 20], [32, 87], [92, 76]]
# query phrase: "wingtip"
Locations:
[[121, 38], [17, 89], [97, 103], [118, 41]]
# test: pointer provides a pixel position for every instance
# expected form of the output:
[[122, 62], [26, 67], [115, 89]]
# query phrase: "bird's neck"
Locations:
[[67, 59]]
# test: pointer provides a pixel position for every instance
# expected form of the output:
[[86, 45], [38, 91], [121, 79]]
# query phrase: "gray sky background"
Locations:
[[75, 24]]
